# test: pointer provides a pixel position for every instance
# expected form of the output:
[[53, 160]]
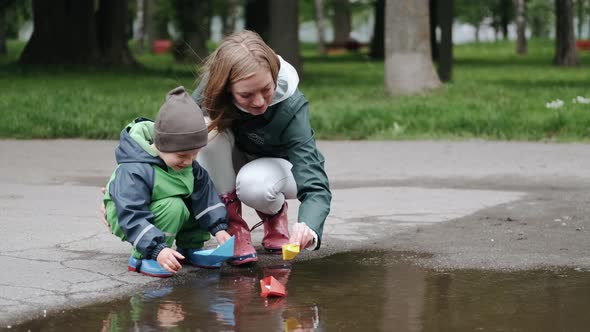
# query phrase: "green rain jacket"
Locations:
[[284, 131], [142, 177]]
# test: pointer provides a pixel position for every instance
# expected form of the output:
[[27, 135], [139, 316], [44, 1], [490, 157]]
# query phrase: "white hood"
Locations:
[[287, 82]]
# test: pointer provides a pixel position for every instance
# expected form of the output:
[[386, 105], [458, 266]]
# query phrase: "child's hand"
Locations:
[[168, 260], [222, 236]]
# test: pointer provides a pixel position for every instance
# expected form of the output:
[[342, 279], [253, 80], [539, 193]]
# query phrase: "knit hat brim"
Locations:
[[176, 142], [180, 124]]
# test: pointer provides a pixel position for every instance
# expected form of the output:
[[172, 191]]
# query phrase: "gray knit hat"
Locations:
[[180, 125]]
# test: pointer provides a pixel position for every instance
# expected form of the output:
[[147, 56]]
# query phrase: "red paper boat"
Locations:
[[271, 287]]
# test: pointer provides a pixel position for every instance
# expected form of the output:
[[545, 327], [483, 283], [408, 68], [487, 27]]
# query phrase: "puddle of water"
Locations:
[[348, 291]]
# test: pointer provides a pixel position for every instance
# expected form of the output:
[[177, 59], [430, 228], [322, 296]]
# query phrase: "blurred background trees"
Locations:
[[97, 32], [13, 14]]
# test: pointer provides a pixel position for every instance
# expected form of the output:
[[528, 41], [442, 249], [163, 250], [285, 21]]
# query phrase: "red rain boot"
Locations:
[[244, 252], [276, 230]]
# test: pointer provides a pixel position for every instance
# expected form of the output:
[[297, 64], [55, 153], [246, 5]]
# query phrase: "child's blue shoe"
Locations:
[[210, 258], [148, 267]]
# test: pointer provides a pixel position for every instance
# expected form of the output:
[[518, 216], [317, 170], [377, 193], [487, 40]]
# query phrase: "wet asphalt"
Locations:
[[451, 205]]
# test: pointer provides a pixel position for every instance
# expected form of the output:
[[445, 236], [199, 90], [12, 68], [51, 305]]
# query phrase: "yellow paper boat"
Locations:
[[290, 251]]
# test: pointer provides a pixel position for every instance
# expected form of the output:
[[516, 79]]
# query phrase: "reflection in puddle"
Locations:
[[349, 291]]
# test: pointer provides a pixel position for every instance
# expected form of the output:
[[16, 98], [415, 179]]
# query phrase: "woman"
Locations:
[[261, 147]]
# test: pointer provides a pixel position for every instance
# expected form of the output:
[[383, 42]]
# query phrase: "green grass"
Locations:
[[494, 94]]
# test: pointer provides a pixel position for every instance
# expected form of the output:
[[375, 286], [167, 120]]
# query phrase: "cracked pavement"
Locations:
[[475, 204]]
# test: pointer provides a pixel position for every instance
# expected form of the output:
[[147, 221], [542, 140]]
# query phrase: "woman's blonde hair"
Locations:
[[238, 56]]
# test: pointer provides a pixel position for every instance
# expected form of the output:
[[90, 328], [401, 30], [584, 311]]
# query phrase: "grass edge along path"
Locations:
[[494, 95]]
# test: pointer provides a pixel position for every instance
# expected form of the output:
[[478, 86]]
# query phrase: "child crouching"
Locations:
[[158, 193]]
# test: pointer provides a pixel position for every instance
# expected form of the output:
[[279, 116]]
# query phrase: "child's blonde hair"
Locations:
[[238, 56]]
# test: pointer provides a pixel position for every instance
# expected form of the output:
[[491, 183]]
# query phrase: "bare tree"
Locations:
[[319, 14], [444, 15], [341, 21], [581, 15], [377, 50], [112, 22], [277, 22], [192, 19], [284, 31], [229, 16], [152, 29], [3, 18], [75, 32], [408, 62], [258, 17], [565, 42], [140, 17], [521, 42]]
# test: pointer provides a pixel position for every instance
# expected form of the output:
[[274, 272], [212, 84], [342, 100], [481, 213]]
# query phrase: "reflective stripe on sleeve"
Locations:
[[145, 230], [218, 205]]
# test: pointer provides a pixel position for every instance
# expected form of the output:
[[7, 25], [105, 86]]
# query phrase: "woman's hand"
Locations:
[[222, 236], [103, 212], [302, 235], [167, 258]]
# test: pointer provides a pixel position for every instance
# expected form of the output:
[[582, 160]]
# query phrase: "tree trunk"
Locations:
[[111, 26], [377, 51], [476, 35], [73, 32], [229, 18], [565, 42], [445, 19], [319, 14], [140, 38], [505, 17], [538, 29], [64, 33], [521, 42], [432, 4], [258, 17], [341, 22], [408, 62], [193, 23], [3, 48], [152, 29], [580, 4], [284, 32]]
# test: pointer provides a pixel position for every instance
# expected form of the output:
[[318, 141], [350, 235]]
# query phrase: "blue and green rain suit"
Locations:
[[150, 205]]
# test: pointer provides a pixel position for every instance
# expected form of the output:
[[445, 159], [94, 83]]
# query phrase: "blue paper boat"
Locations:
[[213, 258]]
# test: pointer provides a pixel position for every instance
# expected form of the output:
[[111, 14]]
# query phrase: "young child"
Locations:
[[158, 193]]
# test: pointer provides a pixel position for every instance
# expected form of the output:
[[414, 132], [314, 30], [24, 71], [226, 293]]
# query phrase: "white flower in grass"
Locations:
[[581, 100], [554, 104]]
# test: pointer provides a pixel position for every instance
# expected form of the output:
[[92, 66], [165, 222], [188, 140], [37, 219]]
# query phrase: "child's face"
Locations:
[[179, 160]]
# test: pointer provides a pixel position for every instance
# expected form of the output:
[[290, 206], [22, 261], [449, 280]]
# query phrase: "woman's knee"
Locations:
[[265, 183]]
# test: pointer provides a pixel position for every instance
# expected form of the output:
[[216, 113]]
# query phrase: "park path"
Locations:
[[56, 254]]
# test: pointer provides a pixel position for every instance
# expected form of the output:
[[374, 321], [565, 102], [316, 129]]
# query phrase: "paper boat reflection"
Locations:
[[270, 286], [215, 257], [290, 251]]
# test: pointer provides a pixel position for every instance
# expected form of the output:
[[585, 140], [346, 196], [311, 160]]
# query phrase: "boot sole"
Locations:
[[150, 274], [275, 251], [244, 259]]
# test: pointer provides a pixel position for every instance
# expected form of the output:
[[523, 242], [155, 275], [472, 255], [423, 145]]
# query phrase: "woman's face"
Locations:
[[254, 93]]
